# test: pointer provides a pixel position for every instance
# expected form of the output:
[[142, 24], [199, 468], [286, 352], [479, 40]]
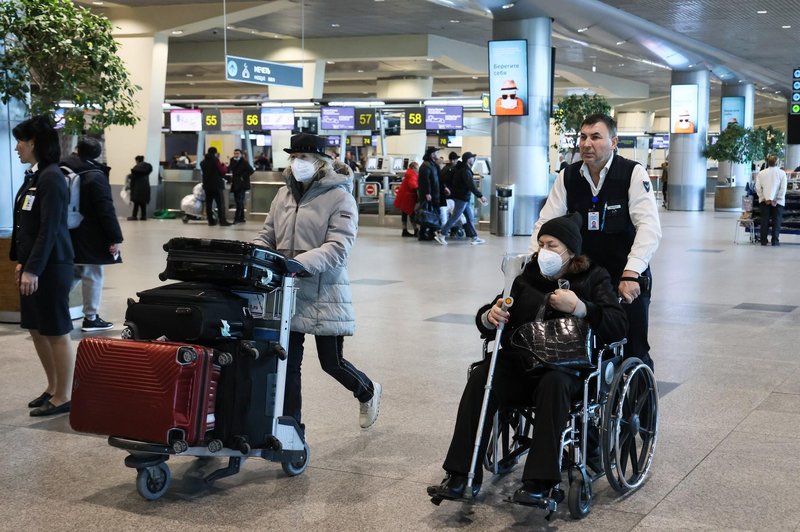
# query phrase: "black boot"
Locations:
[[406, 233]]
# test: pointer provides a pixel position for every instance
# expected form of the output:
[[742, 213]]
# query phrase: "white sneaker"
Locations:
[[439, 237], [477, 241], [369, 410]]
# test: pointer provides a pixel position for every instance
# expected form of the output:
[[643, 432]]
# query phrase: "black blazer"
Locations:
[[40, 235]]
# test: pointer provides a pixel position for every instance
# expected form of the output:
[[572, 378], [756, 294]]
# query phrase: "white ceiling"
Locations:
[[726, 36]]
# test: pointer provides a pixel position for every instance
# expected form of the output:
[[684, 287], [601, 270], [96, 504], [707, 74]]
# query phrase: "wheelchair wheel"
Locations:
[[579, 500], [630, 426]]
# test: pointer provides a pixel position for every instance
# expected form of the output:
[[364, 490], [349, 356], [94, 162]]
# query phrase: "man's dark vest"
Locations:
[[609, 246]]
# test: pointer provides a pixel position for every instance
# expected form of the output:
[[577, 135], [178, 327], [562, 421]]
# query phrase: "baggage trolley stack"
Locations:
[[219, 391]]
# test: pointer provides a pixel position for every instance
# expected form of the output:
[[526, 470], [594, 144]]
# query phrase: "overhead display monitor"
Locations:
[[263, 140], [508, 77], [444, 117], [338, 118], [186, 120], [277, 118], [683, 109], [660, 142], [731, 111], [333, 140]]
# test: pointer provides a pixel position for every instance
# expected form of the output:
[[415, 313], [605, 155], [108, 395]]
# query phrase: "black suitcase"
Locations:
[[226, 261], [189, 312], [246, 398]]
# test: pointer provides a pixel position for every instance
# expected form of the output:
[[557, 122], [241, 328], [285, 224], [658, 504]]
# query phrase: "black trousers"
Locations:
[[770, 214], [140, 205], [331, 358], [214, 196], [238, 197], [551, 393], [638, 314]]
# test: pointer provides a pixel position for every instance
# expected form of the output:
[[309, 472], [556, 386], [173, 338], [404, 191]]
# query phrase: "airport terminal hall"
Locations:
[[384, 265]]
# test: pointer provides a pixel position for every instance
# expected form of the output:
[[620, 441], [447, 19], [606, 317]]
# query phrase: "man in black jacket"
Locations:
[[214, 186], [97, 239], [240, 171], [462, 186], [139, 182]]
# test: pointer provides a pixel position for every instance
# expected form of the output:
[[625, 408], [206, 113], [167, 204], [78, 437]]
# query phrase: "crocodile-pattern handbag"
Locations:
[[563, 341]]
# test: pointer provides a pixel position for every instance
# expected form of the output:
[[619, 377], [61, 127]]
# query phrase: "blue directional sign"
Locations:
[[794, 109], [262, 72]]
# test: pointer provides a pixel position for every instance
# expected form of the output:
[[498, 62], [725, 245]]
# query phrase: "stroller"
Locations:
[[194, 205]]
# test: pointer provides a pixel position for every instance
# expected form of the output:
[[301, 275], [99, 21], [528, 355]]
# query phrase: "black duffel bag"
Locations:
[[426, 214]]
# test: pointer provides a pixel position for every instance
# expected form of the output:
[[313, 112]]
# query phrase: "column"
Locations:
[[740, 171], [687, 166], [520, 143], [145, 58]]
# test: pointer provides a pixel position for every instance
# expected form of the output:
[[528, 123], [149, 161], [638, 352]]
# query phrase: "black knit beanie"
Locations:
[[567, 229]]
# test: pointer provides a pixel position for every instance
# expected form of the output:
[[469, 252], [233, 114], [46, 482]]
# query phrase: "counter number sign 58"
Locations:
[[795, 104]]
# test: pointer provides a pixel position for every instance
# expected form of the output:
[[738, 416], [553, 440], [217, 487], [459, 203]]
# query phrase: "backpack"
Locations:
[[74, 216]]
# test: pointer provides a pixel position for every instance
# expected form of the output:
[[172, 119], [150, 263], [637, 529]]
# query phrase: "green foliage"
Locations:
[[766, 141], [574, 108], [52, 51], [733, 145]]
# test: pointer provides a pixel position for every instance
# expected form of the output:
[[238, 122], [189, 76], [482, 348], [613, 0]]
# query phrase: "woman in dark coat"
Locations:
[[140, 187], [551, 391], [41, 246]]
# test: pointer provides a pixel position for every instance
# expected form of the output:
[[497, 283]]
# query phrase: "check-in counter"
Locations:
[[263, 188]]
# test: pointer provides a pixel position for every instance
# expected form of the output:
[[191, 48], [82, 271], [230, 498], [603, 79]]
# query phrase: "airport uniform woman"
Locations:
[[41, 246], [313, 219]]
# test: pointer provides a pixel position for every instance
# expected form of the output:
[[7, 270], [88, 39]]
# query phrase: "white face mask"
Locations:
[[550, 262], [303, 170]]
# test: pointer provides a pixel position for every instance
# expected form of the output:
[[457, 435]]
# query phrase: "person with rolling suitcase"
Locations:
[[313, 219]]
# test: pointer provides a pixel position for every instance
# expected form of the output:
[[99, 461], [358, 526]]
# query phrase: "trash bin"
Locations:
[[505, 209]]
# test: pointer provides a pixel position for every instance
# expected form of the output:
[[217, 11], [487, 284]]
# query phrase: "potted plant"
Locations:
[[570, 113], [53, 51], [732, 152], [766, 141]]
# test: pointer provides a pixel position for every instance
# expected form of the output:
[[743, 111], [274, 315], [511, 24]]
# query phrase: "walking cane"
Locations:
[[512, 266]]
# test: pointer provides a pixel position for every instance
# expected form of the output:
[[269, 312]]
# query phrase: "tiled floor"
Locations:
[[728, 455]]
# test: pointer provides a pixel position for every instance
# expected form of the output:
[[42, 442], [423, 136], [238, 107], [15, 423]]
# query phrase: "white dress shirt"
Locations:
[[642, 208], [771, 185]]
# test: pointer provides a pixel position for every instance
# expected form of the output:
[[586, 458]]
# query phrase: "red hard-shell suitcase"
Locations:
[[159, 392]]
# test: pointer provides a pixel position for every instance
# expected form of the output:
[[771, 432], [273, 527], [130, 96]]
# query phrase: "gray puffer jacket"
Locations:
[[318, 228]]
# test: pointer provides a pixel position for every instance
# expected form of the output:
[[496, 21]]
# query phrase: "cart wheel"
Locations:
[[185, 219], [295, 468], [180, 446], [153, 482], [126, 334], [580, 497], [215, 446]]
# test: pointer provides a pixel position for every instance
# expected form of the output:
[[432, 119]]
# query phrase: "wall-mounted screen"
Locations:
[[455, 142], [508, 77], [338, 118], [660, 142], [305, 124], [444, 117], [277, 118], [186, 120], [683, 109], [333, 140], [731, 111], [231, 120], [263, 140]]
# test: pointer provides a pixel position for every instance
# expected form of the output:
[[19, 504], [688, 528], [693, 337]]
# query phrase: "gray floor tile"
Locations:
[[766, 308]]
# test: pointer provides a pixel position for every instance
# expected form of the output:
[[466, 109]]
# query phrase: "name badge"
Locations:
[[594, 221], [27, 203]]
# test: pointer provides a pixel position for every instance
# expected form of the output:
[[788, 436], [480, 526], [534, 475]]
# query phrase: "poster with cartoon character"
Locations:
[[508, 77], [683, 109]]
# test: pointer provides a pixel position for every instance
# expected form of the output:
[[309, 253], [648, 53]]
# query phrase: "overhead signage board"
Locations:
[[262, 72], [211, 120], [795, 98], [444, 117], [252, 119], [683, 109], [660, 142], [508, 77], [731, 111], [277, 118], [231, 120], [626, 143], [365, 119], [415, 118], [485, 102], [338, 118], [186, 120], [333, 140]]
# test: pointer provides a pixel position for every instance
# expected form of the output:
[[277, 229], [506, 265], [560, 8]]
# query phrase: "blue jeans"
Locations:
[[460, 207]]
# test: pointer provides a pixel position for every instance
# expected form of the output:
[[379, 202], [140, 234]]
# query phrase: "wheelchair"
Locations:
[[619, 407]]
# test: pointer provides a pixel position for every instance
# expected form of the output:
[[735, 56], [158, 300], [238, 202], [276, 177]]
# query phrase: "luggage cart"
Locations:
[[286, 443]]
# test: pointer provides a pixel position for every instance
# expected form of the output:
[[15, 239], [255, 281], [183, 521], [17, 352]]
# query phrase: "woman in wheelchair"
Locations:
[[589, 295]]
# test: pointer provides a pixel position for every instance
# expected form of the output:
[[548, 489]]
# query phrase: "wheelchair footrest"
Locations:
[[548, 503]]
